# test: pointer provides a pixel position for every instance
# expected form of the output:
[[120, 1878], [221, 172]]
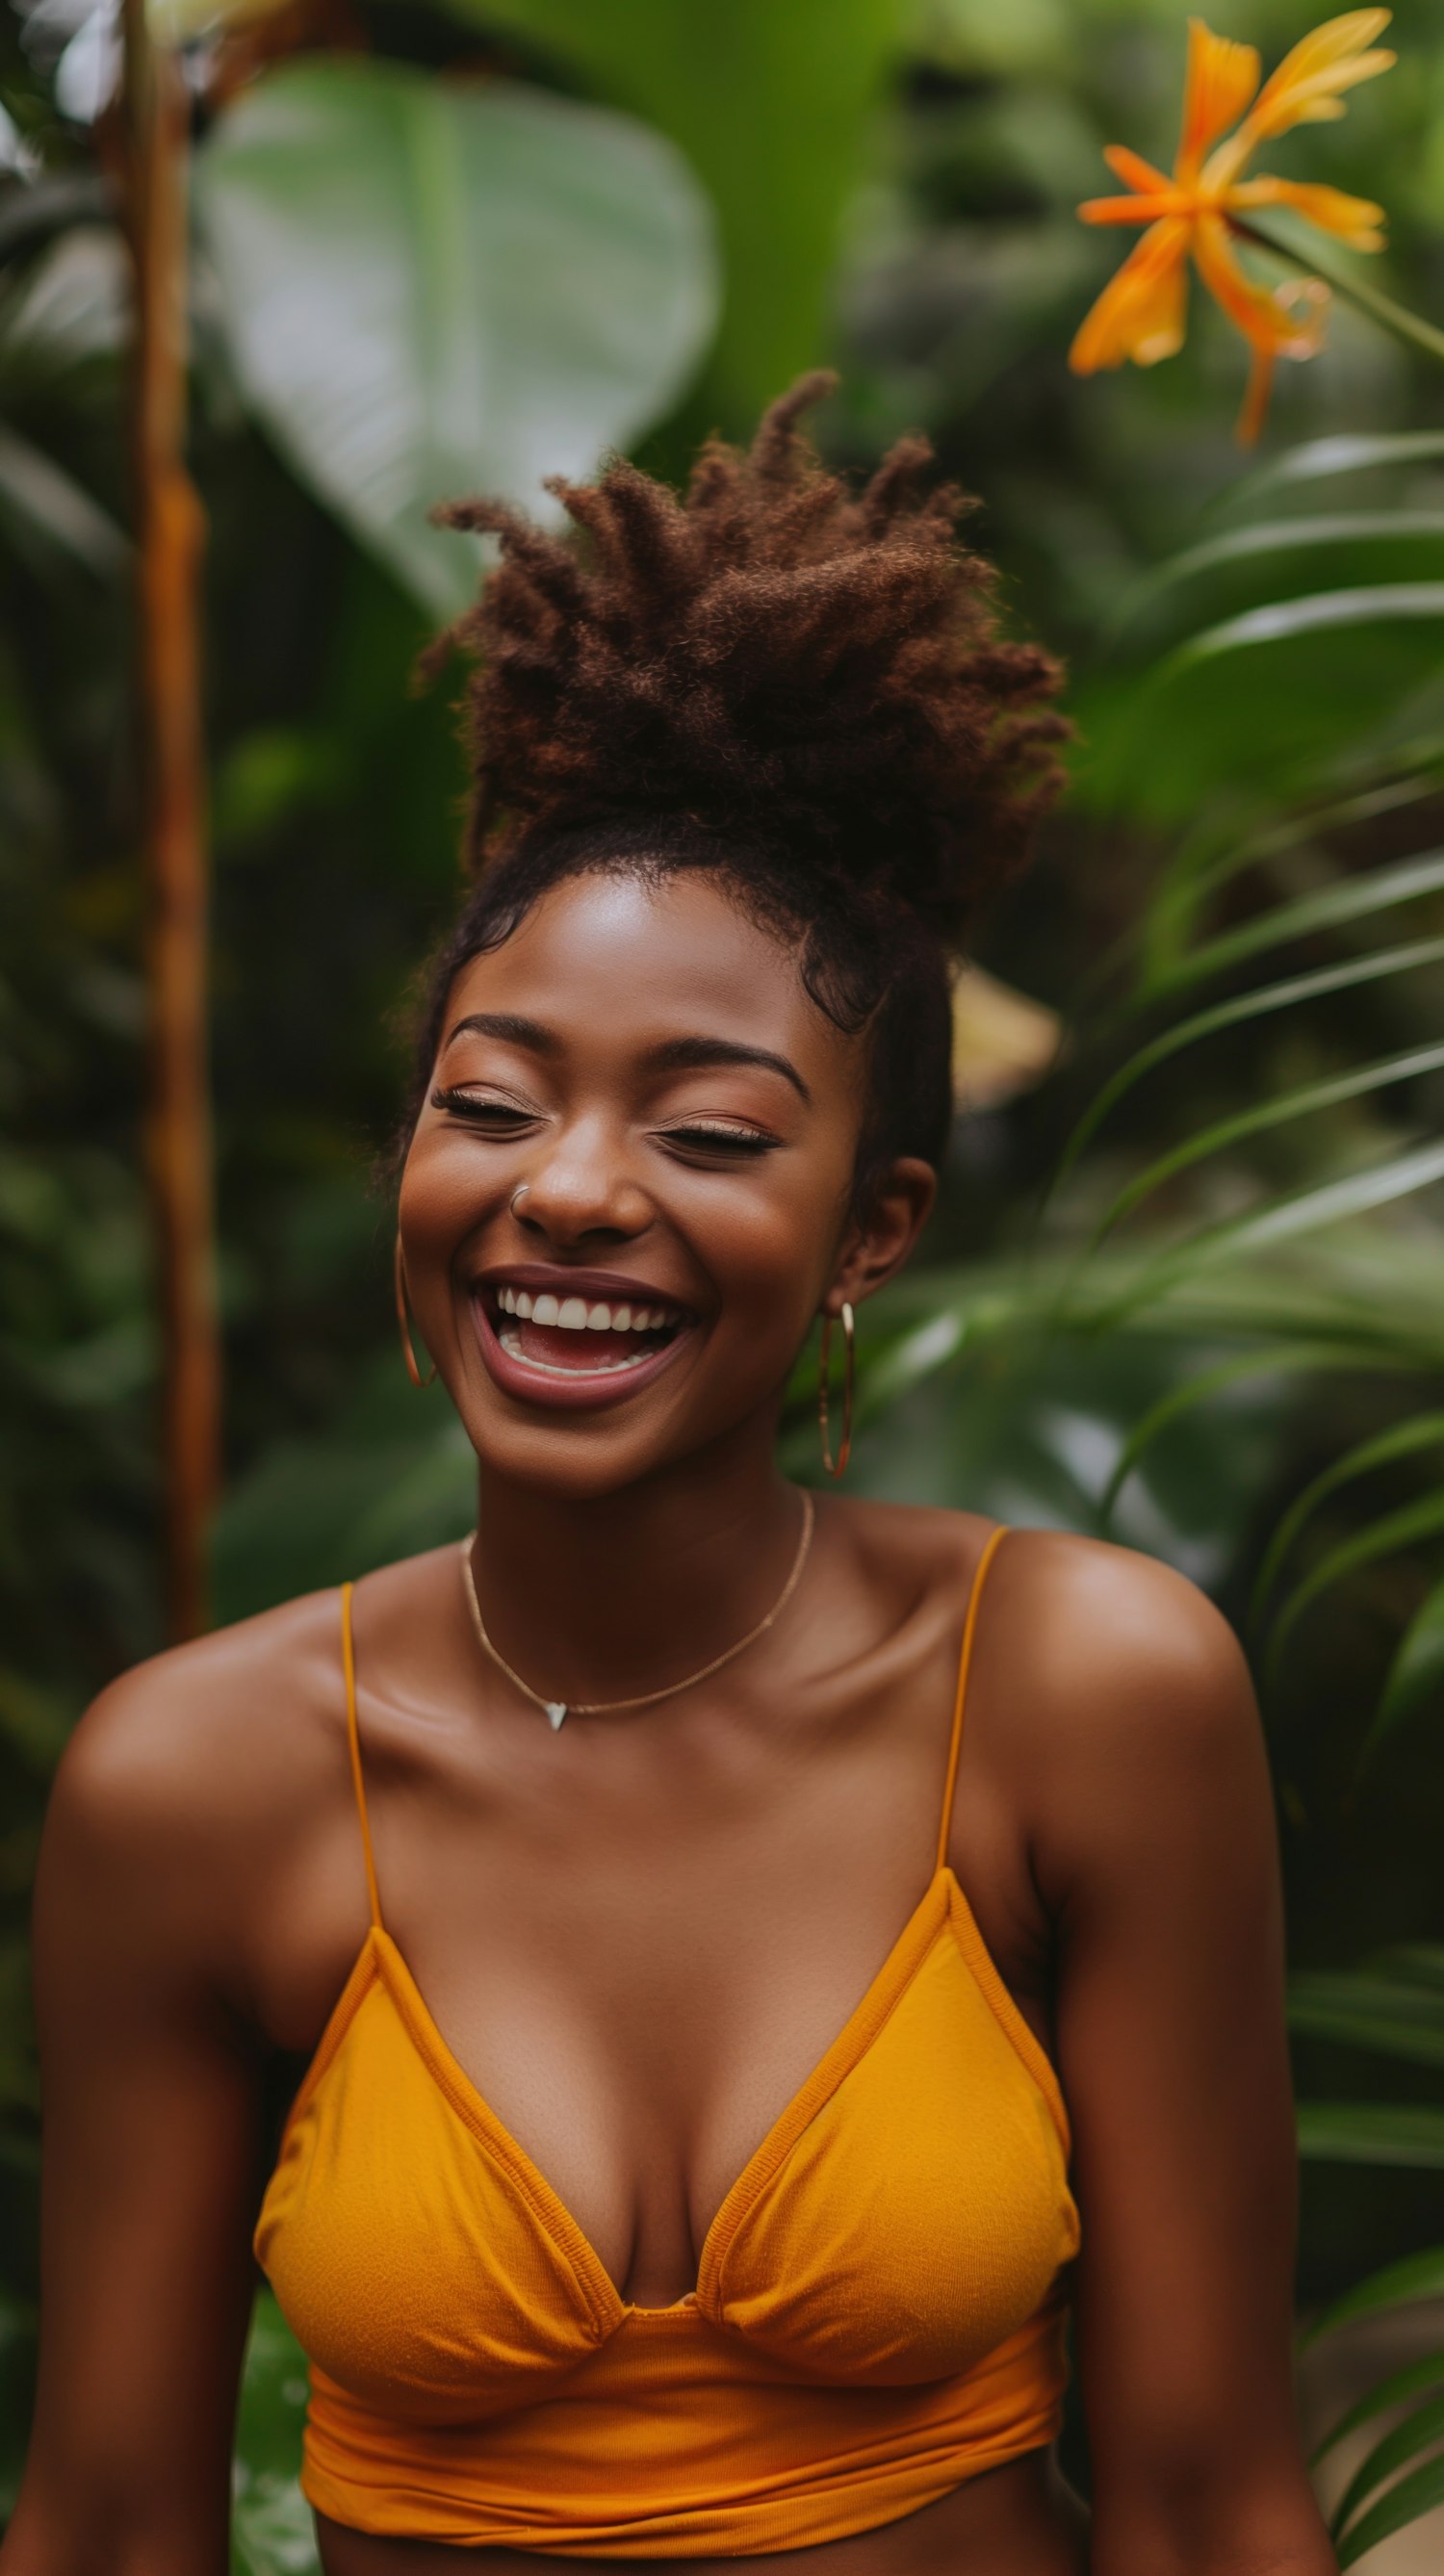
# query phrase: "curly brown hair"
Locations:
[[791, 683]]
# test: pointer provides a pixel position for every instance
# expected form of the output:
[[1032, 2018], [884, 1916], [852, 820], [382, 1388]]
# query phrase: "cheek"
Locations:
[[769, 1244], [446, 1191]]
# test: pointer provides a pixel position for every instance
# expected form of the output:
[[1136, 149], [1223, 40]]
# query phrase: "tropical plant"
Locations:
[[1215, 1331]]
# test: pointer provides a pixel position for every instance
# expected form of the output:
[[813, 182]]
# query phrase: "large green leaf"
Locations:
[[769, 99], [1224, 575], [1284, 1220], [1327, 907], [1304, 1102], [1406, 2502], [1414, 2379], [438, 287], [1264, 1001], [1352, 452], [1275, 697], [1212, 855], [1420, 2431]]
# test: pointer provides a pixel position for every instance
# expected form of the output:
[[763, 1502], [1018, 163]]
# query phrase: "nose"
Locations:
[[582, 1187]]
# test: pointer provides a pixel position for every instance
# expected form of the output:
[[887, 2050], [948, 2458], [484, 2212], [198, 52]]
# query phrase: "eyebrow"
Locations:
[[513, 1030], [675, 1055], [686, 1055]]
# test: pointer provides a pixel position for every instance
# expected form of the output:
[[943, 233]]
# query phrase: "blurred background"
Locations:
[[1185, 1285]]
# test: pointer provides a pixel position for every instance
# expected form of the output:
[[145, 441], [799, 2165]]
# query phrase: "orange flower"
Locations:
[[1140, 313]]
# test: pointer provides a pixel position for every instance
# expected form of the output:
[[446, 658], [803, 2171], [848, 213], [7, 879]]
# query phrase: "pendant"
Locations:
[[556, 1710]]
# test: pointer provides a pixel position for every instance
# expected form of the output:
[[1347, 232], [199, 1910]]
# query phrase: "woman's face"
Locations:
[[628, 1192]]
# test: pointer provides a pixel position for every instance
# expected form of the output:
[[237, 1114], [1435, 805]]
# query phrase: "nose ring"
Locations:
[[519, 1192]]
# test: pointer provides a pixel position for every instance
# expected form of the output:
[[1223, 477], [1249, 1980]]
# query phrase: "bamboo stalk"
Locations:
[[171, 534]]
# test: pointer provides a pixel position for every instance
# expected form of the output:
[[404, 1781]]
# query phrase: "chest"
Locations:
[[637, 1964]]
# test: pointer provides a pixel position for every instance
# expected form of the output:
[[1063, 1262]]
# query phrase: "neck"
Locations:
[[606, 1597]]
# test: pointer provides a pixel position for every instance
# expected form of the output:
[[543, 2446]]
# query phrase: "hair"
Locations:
[[795, 685]]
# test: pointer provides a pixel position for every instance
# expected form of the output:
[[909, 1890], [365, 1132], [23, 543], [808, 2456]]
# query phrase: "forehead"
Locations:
[[624, 961]]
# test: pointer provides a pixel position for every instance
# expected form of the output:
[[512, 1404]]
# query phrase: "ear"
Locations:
[[875, 1247]]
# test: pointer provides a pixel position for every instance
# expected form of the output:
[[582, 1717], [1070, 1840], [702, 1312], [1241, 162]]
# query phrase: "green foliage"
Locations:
[[770, 106], [1187, 1294], [1354, 2531], [431, 289], [1396, 2005], [272, 2532], [1416, 1676]]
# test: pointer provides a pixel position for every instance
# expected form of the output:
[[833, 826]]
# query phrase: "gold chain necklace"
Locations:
[[557, 1709]]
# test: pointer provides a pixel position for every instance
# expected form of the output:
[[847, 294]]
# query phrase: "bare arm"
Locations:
[[1157, 1856], [151, 2145]]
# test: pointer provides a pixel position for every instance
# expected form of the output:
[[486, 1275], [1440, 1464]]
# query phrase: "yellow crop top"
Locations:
[[877, 2317]]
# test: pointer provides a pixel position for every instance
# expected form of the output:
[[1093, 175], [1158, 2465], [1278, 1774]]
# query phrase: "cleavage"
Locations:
[[639, 2063]]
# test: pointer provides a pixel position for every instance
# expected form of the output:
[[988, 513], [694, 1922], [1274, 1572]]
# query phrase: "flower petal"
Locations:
[[1287, 320], [1140, 313], [1134, 171], [1222, 78], [1254, 409], [1354, 219], [1131, 210], [1306, 88]]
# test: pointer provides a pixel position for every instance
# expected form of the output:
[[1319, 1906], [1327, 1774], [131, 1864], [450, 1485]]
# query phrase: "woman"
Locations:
[[689, 1999]]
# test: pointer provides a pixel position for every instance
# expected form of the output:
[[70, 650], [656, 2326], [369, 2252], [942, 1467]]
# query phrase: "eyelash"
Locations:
[[699, 1133], [464, 1104], [714, 1131]]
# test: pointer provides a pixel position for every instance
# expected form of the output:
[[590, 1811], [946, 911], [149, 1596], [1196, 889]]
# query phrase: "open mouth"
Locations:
[[568, 1345], [579, 1336]]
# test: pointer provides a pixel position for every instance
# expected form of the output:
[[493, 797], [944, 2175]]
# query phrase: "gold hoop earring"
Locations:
[[404, 1321], [839, 1466]]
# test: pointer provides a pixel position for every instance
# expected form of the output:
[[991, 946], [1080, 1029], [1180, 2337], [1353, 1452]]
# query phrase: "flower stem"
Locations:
[[1394, 317]]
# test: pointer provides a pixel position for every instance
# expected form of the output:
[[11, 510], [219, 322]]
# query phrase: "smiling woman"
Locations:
[[703, 2111]]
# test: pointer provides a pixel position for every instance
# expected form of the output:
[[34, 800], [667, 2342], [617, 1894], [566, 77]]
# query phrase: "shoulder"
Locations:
[[1118, 1636], [187, 1733], [1120, 1696], [1083, 1623], [181, 1782], [232, 1735]]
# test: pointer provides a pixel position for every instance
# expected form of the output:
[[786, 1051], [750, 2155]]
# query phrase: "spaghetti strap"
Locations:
[[964, 1660], [348, 1666]]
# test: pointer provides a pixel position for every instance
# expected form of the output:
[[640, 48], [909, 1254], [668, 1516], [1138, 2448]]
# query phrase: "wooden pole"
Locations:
[[170, 532]]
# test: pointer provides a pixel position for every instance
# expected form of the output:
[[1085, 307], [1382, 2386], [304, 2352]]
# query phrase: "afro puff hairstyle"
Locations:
[[794, 685]]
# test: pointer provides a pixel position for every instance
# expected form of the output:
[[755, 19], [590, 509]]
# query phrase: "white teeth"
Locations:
[[576, 1315]]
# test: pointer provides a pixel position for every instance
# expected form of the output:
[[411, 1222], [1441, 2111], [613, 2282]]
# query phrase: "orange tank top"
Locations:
[[877, 2316]]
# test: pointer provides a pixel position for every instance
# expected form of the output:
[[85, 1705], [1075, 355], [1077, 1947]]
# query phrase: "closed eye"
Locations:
[[718, 1136], [503, 1116]]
